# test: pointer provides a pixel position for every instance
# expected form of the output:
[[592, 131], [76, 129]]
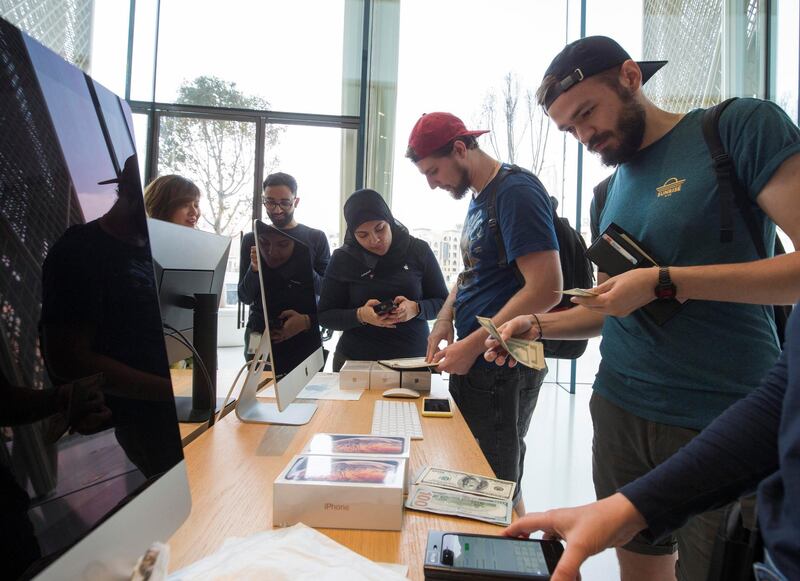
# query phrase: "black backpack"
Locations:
[[576, 269], [731, 193]]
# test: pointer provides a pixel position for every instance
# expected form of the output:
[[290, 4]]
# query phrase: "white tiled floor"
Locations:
[[558, 463]]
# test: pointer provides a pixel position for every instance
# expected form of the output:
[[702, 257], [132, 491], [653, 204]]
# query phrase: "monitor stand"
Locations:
[[199, 407], [258, 412], [184, 407]]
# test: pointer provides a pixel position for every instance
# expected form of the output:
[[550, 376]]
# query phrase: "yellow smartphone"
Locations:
[[436, 407]]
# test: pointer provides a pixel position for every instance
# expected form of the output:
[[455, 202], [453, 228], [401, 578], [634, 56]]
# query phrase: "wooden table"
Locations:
[[182, 386], [232, 466]]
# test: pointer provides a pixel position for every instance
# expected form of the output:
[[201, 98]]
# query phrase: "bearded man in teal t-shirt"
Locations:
[[658, 385]]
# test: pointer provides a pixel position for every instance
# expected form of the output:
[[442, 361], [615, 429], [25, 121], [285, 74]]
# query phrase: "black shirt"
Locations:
[[249, 290], [349, 283]]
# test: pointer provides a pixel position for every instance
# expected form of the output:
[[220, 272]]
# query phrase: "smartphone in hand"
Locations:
[[383, 307]]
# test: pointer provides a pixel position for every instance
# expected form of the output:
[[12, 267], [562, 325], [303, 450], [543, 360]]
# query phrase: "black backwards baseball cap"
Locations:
[[586, 57]]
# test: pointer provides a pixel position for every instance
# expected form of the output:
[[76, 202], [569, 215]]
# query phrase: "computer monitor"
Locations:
[[289, 302], [190, 271], [78, 298]]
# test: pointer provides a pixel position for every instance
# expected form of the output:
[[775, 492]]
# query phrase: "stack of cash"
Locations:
[[529, 353], [462, 494]]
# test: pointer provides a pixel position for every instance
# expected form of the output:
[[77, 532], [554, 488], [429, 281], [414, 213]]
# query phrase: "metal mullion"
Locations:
[[129, 69], [252, 115], [153, 134], [258, 174]]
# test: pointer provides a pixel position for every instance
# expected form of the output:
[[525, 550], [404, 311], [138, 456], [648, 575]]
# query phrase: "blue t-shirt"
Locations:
[[686, 372], [525, 217]]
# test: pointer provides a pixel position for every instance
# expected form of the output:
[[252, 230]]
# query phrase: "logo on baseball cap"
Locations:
[[435, 130], [586, 57]]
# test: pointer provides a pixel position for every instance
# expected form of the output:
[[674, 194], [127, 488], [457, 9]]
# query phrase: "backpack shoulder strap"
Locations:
[[723, 168], [494, 225], [730, 189], [600, 192]]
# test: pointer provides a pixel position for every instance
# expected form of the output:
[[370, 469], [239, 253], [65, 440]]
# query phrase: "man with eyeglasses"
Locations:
[[280, 200]]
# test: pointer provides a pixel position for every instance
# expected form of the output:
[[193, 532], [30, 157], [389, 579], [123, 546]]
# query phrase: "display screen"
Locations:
[[290, 297], [88, 416], [494, 554], [437, 405]]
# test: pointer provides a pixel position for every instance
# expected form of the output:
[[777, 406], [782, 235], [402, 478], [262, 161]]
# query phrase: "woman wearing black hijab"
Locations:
[[379, 261]]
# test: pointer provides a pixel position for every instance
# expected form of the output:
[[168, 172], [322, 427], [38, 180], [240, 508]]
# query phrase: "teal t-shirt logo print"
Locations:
[[671, 186]]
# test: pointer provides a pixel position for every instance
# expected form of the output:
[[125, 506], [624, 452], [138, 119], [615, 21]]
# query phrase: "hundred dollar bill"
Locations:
[[578, 292], [529, 353], [451, 502], [468, 483]]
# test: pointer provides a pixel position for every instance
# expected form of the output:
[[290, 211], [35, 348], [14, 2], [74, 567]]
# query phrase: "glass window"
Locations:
[[287, 55], [140, 136], [219, 156], [787, 50], [318, 158], [473, 86]]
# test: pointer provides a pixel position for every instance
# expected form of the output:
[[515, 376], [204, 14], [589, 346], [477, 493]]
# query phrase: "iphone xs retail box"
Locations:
[[416, 379], [362, 444], [382, 378], [354, 374], [340, 492]]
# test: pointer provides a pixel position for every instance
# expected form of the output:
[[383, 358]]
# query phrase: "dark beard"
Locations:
[[463, 186], [282, 221], [629, 131]]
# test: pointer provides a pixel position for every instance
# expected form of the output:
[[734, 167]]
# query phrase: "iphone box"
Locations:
[[382, 378], [359, 444], [416, 380], [340, 492], [354, 375]]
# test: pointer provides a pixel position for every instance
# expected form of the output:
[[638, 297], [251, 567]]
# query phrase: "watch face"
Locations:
[[667, 291]]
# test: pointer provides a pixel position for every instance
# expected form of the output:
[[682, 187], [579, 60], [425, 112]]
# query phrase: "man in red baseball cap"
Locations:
[[511, 265]]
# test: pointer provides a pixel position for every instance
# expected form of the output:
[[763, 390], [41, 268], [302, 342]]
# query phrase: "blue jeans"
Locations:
[[767, 571], [497, 403]]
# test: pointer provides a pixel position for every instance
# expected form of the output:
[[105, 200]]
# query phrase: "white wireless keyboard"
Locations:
[[396, 418]]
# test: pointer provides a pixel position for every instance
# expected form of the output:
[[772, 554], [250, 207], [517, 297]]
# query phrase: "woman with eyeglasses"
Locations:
[[381, 287], [173, 198]]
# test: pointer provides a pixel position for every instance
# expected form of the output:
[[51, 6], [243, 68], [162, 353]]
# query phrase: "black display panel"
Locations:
[[88, 416]]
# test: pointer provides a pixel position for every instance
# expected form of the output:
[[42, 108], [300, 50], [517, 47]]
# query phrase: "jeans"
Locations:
[[497, 403]]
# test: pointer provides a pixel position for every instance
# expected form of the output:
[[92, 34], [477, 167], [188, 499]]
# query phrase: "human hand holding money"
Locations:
[[578, 292], [529, 353]]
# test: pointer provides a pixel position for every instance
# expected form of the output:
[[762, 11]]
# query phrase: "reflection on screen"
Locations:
[[496, 554], [290, 303], [87, 418]]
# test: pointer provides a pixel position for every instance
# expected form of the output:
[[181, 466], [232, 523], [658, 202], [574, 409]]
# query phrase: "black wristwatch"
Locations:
[[665, 289]]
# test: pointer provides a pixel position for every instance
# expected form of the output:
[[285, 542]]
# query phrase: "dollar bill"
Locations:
[[451, 502], [578, 292], [468, 483], [529, 353]]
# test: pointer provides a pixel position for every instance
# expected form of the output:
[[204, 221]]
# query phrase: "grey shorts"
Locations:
[[626, 447]]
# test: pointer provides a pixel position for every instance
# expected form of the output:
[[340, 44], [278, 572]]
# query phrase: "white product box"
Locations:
[[382, 378], [417, 380], [354, 375], [340, 492], [365, 445]]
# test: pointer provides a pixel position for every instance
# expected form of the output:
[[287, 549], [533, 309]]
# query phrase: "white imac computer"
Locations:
[[291, 344], [91, 464]]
